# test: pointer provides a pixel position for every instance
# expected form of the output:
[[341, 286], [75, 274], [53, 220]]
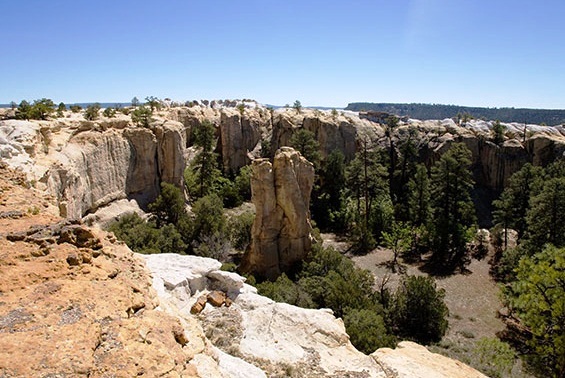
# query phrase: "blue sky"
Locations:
[[465, 52]]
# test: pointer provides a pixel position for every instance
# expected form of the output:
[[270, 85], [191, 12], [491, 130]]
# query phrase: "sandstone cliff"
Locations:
[[89, 165], [280, 236]]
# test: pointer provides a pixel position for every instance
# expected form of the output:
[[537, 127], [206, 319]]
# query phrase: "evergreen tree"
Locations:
[[92, 112], [61, 109], [42, 109], [546, 217], [169, 207], [498, 133], [538, 298], [453, 209], [135, 102], [153, 102], [141, 116], [297, 106], [514, 203], [419, 197], [24, 110], [366, 179], [304, 141], [327, 201], [419, 312], [203, 176], [405, 169]]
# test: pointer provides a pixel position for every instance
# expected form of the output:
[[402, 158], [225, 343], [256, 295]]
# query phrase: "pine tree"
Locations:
[[304, 141], [453, 209], [514, 203], [203, 175], [419, 197], [546, 218]]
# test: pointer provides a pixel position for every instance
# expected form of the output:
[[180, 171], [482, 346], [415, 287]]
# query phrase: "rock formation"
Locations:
[[88, 165], [239, 133], [280, 236], [75, 302]]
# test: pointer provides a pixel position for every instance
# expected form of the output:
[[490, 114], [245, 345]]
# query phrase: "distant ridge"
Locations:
[[436, 111]]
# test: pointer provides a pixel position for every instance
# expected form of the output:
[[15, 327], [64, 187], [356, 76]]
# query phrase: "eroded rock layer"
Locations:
[[280, 236]]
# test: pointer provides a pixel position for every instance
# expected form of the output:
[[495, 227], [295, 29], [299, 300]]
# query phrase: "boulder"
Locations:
[[281, 231]]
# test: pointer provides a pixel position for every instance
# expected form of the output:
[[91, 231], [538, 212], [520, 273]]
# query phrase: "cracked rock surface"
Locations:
[[74, 302]]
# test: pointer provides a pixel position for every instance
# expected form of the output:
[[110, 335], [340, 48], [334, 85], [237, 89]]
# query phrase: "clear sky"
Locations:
[[465, 52]]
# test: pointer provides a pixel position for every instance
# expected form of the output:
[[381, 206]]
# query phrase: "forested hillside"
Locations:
[[438, 111]]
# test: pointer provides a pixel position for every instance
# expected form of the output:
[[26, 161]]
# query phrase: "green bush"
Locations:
[[284, 290], [144, 237], [209, 218], [493, 357], [141, 116], [109, 112], [92, 112], [239, 229], [75, 108], [419, 311], [367, 330]]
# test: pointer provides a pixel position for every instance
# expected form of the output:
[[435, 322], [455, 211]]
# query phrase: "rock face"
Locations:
[[88, 165], [75, 302], [280, 235], [239, 134]]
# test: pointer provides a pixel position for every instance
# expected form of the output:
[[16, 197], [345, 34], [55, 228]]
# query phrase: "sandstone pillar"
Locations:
[[281, 232]]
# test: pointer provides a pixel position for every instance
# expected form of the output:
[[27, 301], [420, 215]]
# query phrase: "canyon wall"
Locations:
[[87, 165]]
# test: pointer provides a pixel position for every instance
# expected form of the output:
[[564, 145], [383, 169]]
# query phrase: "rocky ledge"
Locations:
[[257, 337]]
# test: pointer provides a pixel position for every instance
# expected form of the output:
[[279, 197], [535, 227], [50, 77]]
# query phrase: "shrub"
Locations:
[[239, 229], [109, 112], [493, 357], [284, 290], [209, 216], [418, 310], [75, 108], [145, 237], [141, 116], [92, 112], [367, 330]]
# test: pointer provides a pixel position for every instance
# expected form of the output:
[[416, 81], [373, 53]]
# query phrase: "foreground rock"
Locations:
[[265, 338], [275, 337], [280, 236], [74, 302], [412, 360]]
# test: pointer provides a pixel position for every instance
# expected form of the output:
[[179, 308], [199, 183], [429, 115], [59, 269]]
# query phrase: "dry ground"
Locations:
[[473, 299]]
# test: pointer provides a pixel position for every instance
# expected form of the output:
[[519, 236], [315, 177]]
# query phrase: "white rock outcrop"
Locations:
[[257, 337], [268, 335]]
